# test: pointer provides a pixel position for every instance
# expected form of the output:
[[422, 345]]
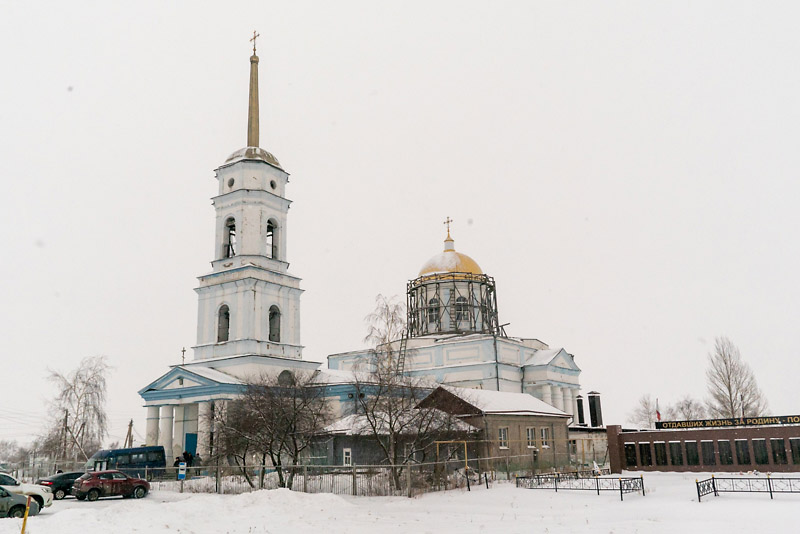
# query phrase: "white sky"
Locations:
[[625, 170]]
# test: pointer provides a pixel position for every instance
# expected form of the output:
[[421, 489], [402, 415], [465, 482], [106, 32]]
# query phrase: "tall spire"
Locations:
[[252, 111]]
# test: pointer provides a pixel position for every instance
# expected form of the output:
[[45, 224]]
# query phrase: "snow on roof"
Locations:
[[359, 425], [212, 374], [543, 357], [504, 402]]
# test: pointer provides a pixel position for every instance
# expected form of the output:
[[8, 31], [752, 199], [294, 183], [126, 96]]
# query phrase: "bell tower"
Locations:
[[249, 304]]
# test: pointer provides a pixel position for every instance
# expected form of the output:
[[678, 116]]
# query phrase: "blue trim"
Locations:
[[195, 391]]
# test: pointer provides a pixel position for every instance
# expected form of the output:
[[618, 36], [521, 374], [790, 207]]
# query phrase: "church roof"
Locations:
[[503, 402], [253, 153], [212, 374], [359, 425], [450, 261]]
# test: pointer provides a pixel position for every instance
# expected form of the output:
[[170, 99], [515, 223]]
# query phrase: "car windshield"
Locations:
[[85, 476]]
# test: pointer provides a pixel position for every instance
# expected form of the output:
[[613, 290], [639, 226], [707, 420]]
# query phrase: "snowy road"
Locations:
[[669, 507]]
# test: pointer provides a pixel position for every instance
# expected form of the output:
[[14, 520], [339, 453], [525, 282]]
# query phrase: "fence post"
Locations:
[[769, 483], [697, 483], [355, 484], [217, 480], [466, 473], [508, 472], [555, 482], [714, 486], [597, 483], [486, 478], [408, 480], [305, 479], [642, 478], [620, 489]]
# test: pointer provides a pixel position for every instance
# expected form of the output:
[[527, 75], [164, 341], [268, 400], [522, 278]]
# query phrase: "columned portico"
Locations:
[[203, 428], [547, 395], [151, 435], [179, 431], [575, 406], [567, 400], [165, 432], [558, 397]]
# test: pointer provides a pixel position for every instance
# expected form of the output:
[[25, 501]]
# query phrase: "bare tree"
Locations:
[[275, 421], [387, 321], [10, 451], [732, 387], [80, 422], [686, 409], [644, 415], [388, 406]]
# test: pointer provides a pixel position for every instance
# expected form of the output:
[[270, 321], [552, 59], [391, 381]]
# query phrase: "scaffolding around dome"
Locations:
[[452, 303]]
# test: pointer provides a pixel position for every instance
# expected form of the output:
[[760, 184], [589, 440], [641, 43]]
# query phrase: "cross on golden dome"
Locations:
[[447, 222]]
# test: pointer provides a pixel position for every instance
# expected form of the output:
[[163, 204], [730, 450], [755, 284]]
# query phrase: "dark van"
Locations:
[[137, 461]]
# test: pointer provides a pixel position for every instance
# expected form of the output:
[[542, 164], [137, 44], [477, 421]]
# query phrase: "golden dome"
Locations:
[[450, 261]]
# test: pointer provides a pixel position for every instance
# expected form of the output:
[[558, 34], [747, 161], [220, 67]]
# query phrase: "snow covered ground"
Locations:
[[670, 507]]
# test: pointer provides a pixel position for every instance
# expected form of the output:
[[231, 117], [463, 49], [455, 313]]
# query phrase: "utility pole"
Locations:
[[64, 435], [129, 436]]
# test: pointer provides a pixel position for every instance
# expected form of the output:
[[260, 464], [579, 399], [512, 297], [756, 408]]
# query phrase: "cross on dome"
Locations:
[[447, 222], [255, 35]]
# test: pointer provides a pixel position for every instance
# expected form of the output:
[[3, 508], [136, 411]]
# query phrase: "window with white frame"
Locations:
[[545, 437], [530, 434], [502, 436], [347, 457]]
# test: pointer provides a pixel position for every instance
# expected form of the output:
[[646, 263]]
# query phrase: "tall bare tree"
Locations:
[[732, 388], [388, 406], [386, 322], [644, 414], [79, 410], [275, 421], [687, 408]]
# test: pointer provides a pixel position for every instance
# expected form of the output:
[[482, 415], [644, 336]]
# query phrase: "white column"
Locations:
[[165, 434], [203, 428], [567, 400], [546, 395], [151, 435], [558, 398], [575, 406], [179, 434]]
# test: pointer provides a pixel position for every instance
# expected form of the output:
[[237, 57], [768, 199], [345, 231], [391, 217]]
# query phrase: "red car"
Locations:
[[96, 484]]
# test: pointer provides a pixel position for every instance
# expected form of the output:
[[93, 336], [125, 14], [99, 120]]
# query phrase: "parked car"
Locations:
[[60, 483], [41, 494], [13, 504], [92, 486]]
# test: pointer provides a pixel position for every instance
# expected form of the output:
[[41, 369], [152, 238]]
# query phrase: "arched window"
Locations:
[[223, 324], [274, 324], [229, 239], [462, 312], [433, 310], [272, 239], [286, 378]]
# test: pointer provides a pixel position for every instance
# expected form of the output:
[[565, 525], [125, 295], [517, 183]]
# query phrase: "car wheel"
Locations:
[[59, 494], [39, 501], [93, 495], [139, 492], [80, 497], [17, 511]]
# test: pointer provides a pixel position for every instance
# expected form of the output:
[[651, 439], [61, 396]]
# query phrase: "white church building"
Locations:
[[248, 318], [454, 336]]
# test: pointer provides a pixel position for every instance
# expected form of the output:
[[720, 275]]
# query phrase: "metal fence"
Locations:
[[364, 480], [717, 485], [578, 481]]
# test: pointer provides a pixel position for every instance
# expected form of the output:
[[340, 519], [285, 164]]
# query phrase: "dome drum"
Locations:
[[452, 303]]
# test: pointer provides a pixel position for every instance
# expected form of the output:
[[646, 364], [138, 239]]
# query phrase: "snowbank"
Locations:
[[670, 506]]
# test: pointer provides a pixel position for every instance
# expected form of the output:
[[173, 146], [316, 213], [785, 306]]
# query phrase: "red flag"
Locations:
[[658, 412]]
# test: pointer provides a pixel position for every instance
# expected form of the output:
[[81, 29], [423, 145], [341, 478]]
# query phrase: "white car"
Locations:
[[41, 494]]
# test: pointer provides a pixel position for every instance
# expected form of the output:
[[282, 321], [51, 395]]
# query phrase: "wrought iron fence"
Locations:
[[768, 484], [572, 481]]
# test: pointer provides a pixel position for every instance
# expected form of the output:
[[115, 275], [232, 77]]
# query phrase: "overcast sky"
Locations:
[[627, 171]]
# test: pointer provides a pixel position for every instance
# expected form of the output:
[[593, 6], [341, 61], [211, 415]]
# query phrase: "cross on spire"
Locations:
[[447, 222], [255, 35], [183, 355]]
